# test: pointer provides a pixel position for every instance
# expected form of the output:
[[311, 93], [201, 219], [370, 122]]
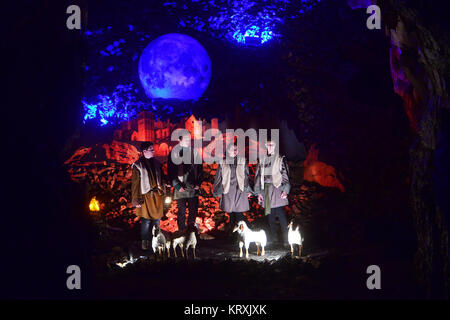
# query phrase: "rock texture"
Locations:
[[420, 62], [319, 172]]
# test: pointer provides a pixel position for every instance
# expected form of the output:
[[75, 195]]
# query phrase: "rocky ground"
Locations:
[[219, 273]]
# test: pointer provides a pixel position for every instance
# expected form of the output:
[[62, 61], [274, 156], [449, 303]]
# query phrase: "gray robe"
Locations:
[[235, 200], [274, 193]]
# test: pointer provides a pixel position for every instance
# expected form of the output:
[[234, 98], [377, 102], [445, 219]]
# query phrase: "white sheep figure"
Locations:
[[168, 246], [294, 237], [158, 241], [184, 239], [258, 237], [191, 238], [178, 240]]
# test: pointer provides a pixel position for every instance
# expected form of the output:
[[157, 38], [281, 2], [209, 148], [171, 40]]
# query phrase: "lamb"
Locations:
[[184, 238], [178, 239], [169, 240], [191, 238], [259, 237], [158, 241], [294, 237]]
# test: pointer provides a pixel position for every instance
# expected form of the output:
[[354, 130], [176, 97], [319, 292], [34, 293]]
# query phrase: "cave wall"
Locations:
[[419, 58]]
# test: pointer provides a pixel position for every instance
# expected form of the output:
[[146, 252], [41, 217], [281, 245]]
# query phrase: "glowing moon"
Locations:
[[174, 66]]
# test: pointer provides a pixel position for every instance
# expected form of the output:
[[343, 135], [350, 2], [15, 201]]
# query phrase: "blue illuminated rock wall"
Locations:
[[117, 35]]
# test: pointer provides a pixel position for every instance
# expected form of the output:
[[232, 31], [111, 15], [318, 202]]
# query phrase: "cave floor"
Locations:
[[219, 273], [221, 249]]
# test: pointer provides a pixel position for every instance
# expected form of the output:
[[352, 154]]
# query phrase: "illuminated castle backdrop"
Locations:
[[147, 128]]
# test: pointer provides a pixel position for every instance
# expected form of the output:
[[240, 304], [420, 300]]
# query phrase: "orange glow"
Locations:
[[94, 205], [320, 172]]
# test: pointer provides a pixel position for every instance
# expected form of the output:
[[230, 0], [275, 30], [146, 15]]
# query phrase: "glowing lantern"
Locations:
[[94, 205], [168, 200]]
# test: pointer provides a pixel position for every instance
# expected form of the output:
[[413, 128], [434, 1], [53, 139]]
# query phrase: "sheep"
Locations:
[[184, 238], [191, 238], [294, 237], [158, 241], [259, 237]]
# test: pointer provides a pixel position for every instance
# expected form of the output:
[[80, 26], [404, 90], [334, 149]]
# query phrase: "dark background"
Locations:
[[42, 228]]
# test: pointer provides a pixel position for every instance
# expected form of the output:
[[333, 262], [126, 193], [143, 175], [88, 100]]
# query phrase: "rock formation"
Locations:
[[420, 62]]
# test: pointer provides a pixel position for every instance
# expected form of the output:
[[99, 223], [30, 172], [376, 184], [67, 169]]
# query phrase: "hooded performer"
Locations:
[[272, 186], [147, 191], [232, 185], [186, 178]]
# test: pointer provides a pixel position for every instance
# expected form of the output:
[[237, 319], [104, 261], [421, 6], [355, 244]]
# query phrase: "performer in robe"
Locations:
[[147, 191], [232, 185], [272, 186], [186, 179]]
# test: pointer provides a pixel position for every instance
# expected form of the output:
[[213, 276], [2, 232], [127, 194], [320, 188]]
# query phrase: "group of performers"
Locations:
[[232, 184]]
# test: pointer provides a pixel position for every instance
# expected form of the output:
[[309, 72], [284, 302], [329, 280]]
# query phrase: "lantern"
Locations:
[[94, 205]]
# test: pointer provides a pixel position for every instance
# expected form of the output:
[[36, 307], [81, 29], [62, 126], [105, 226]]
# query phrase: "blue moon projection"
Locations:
[[174, 66]]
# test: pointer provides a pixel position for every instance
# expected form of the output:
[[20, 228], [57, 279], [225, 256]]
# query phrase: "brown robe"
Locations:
[[152, 202]]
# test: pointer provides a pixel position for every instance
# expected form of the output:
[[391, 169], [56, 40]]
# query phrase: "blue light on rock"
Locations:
[[242, 21], [253, 35], [174, 66], [112, 109]]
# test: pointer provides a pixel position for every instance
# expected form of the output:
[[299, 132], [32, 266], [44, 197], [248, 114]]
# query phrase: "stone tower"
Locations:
[[146, 130]]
